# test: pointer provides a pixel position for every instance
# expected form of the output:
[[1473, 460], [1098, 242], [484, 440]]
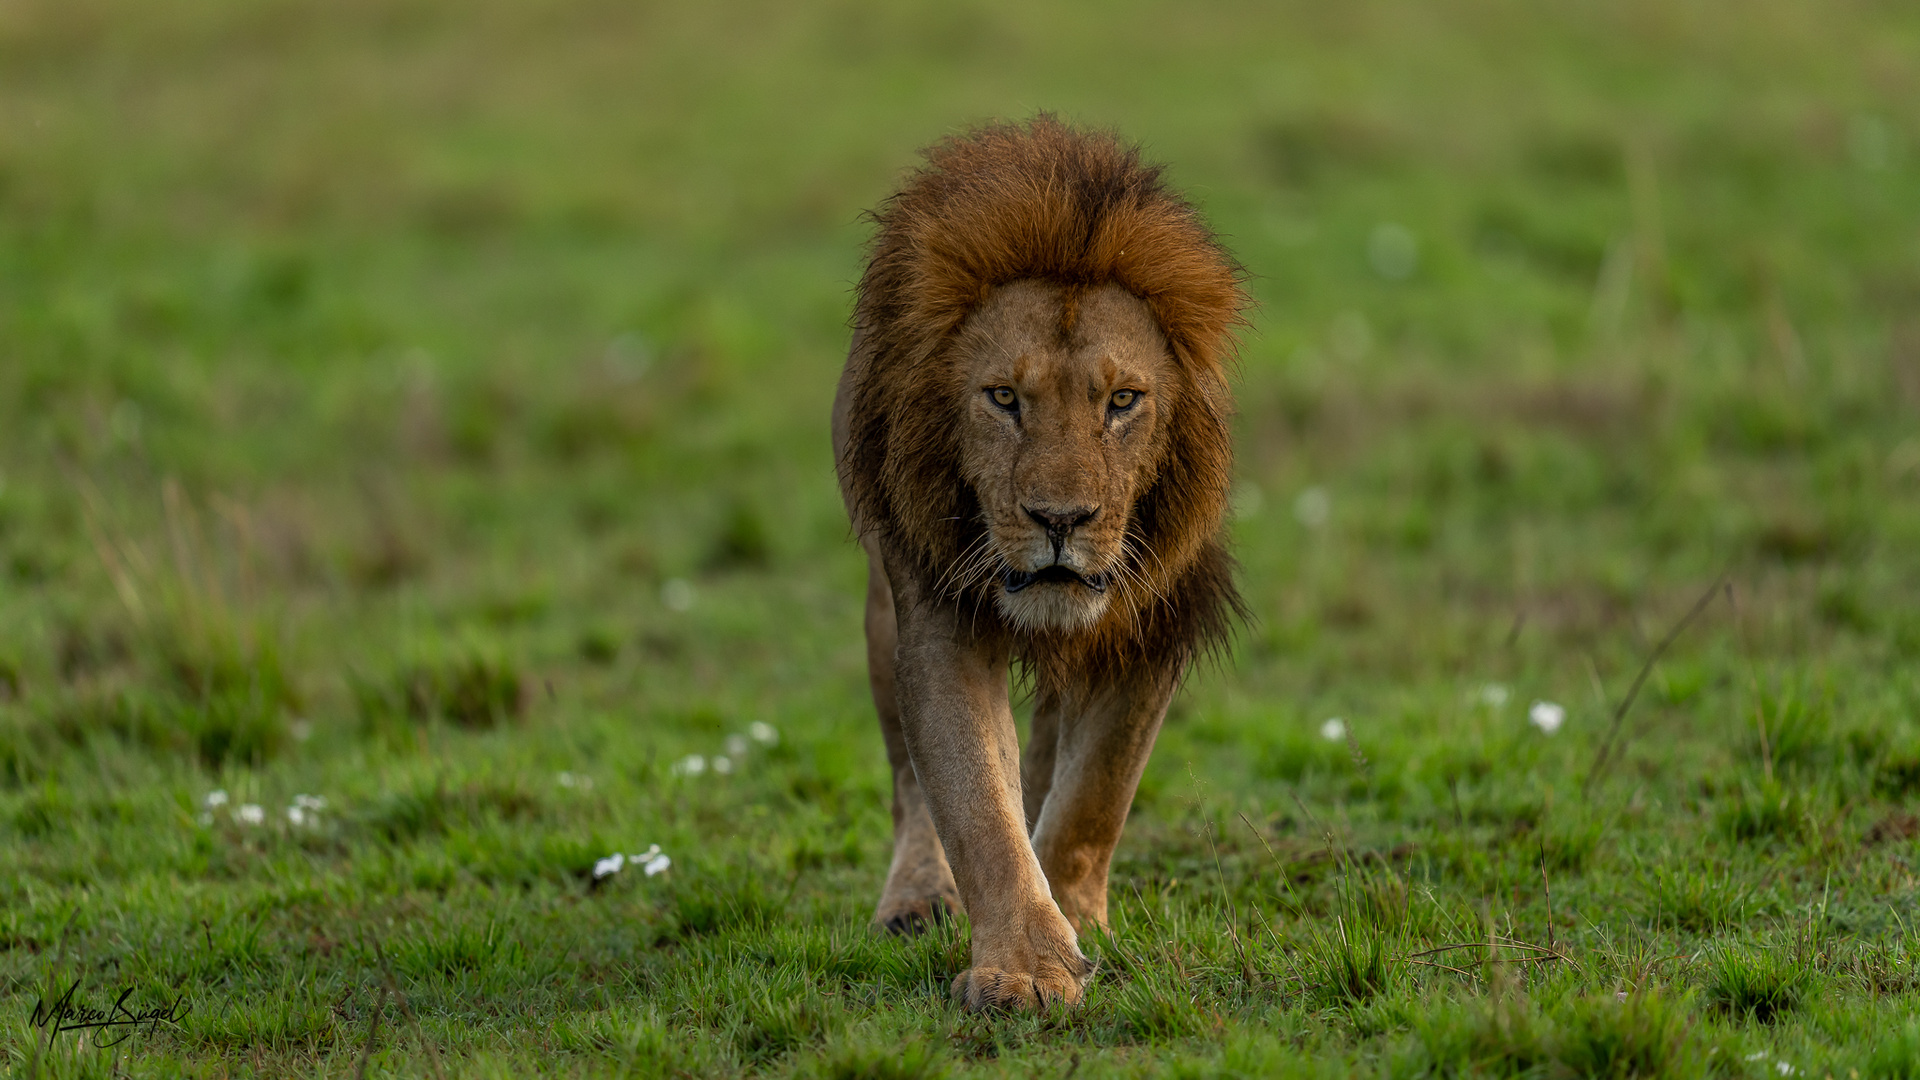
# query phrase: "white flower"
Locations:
[[652, 861], [1547, 716], [1493, 694], [215, 798], [691, 765], [677, 594], [736, 746], [1784, 1068], [575, 780], [250, 814], [722, 764], [1312, 507], [608, 866], [306, 810], [763, 733], [1333, 729]]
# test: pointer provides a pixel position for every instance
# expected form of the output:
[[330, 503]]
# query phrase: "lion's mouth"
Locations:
[[1015, 580]]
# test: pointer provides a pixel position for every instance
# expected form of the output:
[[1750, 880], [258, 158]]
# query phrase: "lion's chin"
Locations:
[[1051, 606]]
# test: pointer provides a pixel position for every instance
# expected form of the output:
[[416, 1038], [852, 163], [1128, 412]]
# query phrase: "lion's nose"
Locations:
[[1059, 523]]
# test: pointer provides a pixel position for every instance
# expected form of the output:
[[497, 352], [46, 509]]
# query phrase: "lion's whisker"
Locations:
[[960, 568]]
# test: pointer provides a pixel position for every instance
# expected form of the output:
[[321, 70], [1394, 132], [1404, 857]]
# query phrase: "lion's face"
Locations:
[[1066, 395]]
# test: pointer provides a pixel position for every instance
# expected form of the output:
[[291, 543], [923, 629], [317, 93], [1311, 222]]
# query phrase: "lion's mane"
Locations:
[[1043, 201]]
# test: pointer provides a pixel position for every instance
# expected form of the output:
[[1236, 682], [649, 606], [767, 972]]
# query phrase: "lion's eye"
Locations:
[[1124, 399], [1003, 396]]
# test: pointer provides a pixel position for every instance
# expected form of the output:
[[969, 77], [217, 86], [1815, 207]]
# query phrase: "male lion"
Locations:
[[1032, 441]]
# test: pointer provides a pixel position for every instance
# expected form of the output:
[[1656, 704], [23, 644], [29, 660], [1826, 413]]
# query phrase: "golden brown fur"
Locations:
[[1032, 435]]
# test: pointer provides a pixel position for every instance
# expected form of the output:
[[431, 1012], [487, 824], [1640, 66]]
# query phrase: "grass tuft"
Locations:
[[713, 904], [471, 690], [1756, 984], [845, 1059], [1357, 951], [1646, 1035], [1641, 1035], [1768, 810], [1694, 898], [780, 1023]]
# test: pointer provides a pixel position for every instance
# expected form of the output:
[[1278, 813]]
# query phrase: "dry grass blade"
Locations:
[[1442, 967], [1604, 757]]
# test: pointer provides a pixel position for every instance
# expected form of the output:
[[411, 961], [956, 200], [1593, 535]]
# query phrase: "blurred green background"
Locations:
[[431, 309], [411, 397]]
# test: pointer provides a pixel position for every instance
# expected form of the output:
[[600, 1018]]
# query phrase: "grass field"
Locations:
[[413, 428]]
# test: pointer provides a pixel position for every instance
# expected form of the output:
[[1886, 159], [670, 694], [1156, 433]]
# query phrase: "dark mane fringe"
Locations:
[[1043, 201]]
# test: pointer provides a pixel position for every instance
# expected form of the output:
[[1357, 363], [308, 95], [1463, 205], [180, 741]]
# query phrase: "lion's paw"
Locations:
[[913, 917], [983, 989]]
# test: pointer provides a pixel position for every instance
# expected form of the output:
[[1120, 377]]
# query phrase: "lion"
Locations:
[[1032, 441]]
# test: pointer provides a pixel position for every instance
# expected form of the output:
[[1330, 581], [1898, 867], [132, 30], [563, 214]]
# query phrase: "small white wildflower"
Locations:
[[736, 746], [1547, 716], [296, 816], [1757, 1055], [215, 798], [1784, 1068], [608, 866], [763, 733], [1312, 507], [315, 803], [677, 594], [691, 765], [651, 860], [722, 764], [1333, 729], [574, 780], [250, 814], [1619, 995], [301, 730], [1494, 694]]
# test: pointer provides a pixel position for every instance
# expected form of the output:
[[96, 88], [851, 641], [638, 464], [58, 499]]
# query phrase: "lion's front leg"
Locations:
[[919, 887], [952, 690], [1103, 737]]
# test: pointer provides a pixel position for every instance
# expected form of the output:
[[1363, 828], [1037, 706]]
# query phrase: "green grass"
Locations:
[[421, 407]]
